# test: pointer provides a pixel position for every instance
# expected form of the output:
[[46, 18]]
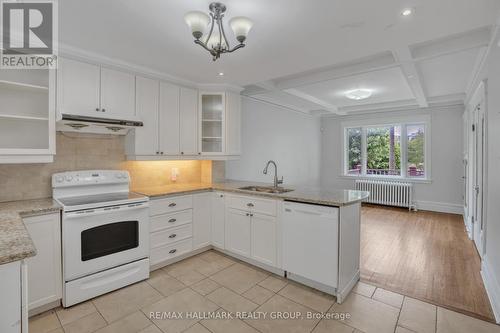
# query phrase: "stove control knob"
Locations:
[[69, 178], [59, 179]]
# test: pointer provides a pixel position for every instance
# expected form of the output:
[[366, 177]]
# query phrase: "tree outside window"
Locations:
[[377, 151]]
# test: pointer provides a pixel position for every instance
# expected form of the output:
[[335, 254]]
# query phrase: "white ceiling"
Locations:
[[392, 87], [352, 43]]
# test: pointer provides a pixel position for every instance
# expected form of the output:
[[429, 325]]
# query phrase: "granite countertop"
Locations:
[[315, 195], [15, 241], [173, 189]]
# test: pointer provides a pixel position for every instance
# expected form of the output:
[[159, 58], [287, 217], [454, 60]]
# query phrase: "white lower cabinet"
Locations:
[[218, 219], [13, 313], [44, 269], [171, 228], [251, 228], [238, 232], [201, 219], [263, 237]]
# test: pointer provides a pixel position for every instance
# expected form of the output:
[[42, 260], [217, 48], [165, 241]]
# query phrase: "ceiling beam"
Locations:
[[368, 64], [327, 106], [452, 44], [411, 74]]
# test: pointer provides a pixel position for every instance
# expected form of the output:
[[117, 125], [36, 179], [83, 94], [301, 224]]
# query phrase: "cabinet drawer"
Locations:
[[171, 235], [253, 204], [169, 205], [164, 221], [170, 251]]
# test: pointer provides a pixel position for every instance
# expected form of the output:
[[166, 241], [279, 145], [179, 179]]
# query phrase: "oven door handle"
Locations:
[[106, 210]]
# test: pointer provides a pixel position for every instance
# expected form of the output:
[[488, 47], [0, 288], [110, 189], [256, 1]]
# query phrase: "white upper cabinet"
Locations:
[[188, 121], [91, 90], [233, 123], [169, 119], [78, 85], [27, 116], [117, 94], [144, 140], [212, 123]]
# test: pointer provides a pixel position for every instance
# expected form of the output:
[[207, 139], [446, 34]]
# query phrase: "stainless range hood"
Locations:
[[84, 124]]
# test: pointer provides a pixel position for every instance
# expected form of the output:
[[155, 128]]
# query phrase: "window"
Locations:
[[392, 150]]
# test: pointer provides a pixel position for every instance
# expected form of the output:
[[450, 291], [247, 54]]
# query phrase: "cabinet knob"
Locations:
[[199, 153], [172, 220], [161, 153], [97, 109], [157, 152], [172, 251], [248, 214], [103, 110], [182, 153], [173, 204], [250, 204], [222, 195], [172, 236]]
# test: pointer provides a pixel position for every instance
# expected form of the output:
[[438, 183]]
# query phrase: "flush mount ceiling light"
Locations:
[[358, 94], [407, 11], [215, 41]]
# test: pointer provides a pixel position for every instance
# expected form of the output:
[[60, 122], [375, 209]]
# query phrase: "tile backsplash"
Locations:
[[86, 152]]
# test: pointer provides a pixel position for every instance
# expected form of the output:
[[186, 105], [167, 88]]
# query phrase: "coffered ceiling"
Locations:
[[300, 54]]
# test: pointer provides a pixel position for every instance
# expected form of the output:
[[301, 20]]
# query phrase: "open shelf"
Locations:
[[24, 86]]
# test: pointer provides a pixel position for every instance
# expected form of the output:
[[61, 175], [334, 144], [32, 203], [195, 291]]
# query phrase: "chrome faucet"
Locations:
[[276, 180]]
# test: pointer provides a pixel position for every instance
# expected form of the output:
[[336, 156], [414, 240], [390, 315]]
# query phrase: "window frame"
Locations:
[[403, 122]]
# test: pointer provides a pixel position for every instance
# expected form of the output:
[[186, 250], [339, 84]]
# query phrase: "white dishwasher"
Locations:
[[311, 244]]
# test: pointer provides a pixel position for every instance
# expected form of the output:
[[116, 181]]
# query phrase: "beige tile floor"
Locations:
[[211, 283]]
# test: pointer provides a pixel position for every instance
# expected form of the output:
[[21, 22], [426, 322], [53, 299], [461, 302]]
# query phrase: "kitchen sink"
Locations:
[[266, 189]]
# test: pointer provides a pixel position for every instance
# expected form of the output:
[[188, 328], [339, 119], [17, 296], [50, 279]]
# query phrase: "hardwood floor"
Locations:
[[425, 255]]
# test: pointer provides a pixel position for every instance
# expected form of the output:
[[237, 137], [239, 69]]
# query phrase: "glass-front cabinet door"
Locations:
[[212, 124]]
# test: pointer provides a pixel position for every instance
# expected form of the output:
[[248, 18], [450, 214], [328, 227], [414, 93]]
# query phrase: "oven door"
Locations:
[[98, 239]]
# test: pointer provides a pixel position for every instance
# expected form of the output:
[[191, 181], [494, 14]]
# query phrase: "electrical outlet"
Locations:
[[174, 174]]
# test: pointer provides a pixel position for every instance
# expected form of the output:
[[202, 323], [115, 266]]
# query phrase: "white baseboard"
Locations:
[[441, 207], [492, 287]]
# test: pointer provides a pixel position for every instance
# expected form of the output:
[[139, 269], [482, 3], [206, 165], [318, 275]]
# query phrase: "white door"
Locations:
[[188, 121], [147, 99], [44, 278], [117, 94], [264, 239], [169, 119], [78, 88], [218, 209], [201, 219], [233, 123], [479, 148], [238, 232]]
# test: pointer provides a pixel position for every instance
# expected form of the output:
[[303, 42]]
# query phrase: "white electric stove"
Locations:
[[105, 233]]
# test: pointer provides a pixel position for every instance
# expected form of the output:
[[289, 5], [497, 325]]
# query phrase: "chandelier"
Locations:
[[215, 41]]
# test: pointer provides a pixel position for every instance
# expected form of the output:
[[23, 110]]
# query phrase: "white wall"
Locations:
[[273, 133], [444, 193], [491, 263]]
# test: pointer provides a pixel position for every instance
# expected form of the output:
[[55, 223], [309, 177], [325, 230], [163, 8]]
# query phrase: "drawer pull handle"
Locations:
[[172, 251], [172, 220], [173, 204], [250, 204], [172, 236]]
